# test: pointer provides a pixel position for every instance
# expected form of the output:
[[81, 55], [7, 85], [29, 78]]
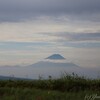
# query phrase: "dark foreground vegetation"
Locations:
[[68, 87]]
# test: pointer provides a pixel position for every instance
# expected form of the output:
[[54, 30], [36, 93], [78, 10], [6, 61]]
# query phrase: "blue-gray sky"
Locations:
[[31, 30]]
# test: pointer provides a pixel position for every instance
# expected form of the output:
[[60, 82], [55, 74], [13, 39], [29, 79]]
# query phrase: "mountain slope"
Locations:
[[53, 64]]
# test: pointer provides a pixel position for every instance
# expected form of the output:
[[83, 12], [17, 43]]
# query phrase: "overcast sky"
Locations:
[[31, 30]]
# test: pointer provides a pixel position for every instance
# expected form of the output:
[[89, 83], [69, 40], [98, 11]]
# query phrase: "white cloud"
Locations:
[[42, 28]]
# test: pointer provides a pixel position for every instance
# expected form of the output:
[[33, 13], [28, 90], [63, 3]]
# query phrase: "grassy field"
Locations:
[[68, 87], [38, 94]]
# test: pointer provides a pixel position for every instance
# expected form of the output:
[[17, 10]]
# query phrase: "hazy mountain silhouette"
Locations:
[[12, 78], [50, 62], [53, 64]]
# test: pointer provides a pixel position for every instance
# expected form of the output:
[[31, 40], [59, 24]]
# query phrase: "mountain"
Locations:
[[54, 65], [55, 60], [55, 57]]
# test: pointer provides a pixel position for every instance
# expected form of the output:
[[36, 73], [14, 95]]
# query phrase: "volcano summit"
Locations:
[[56, 57]]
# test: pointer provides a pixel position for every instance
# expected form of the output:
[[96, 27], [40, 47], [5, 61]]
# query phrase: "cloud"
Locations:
[[17, 10], [51, 30], [80, 36], [50, 5]]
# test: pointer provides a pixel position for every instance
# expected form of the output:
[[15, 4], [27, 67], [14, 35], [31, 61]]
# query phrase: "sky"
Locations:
[[31, 30]]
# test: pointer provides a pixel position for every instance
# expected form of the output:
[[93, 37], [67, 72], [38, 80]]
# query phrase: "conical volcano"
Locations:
[[55, 57], [53, 65]]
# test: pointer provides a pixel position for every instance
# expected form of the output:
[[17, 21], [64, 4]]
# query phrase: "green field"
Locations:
[[68, 87]]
